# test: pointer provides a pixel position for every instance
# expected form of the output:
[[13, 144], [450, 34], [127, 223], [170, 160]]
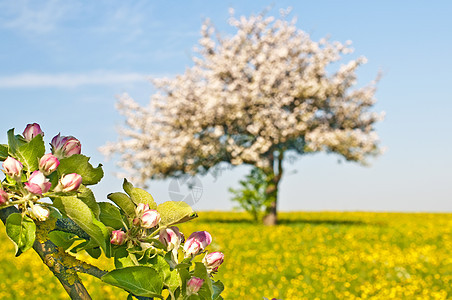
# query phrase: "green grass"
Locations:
[[326, 255]]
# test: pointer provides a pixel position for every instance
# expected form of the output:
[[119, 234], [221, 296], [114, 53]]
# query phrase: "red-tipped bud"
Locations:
[[118, 237], [48, 163], [213, 260], [192, 248], [38, 183], [3, 197], [65, 146], [12, 167], [141, 208], [194, 285], [31, 131], [171, 238], [70, 182], [150, 218]]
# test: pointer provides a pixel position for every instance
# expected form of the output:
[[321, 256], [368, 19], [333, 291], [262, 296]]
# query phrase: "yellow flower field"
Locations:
[[326, 255]]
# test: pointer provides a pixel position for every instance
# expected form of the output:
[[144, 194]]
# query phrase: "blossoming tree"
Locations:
[[256, 97], [46, 206]]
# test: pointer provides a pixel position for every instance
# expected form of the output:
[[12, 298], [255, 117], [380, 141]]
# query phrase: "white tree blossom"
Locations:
[[248, 99]]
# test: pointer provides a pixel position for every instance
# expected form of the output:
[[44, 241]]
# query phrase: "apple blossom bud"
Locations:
[[48, 163], [213, 260], [194, 285], [192, 248], [150, 218], [31, 131], [70, 182], [65, 146], [3, 197], [40, 212], [171, 238], [197, 242], [13, 167], [38, 183], [141, 208], [203, 237], [118, 237], [72, 146]]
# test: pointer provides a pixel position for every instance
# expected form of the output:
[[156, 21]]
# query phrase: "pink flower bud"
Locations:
[[203, 237], [13, 167], [48, 163], [171, 238], [31, 131], [38, 183], [40, 212], [194, 285], [118, 237], [3, 197], [65, 146], [141, 208], [213, 260], [150, 218], [192, 248], [70, 182]]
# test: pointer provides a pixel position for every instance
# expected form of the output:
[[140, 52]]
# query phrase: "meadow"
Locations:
[[310, 255]]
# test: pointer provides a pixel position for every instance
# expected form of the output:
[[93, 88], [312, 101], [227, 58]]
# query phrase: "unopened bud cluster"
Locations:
[[26, 187], [146, 224]]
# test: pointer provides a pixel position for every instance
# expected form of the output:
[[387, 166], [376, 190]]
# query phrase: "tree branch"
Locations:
[[62, 265], [69, 226]]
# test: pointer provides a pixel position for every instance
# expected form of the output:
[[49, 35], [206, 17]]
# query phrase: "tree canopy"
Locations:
[[248, 99]]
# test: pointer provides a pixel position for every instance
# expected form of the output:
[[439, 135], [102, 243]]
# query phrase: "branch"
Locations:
[[62, 265], [69, 226]]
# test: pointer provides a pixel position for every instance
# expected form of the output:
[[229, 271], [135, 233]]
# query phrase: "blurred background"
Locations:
[[63, 64]]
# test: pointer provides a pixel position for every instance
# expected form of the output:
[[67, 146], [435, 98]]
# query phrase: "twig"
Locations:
[[56, 260]]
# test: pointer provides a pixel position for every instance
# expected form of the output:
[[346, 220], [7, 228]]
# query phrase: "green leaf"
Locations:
[[94, 252], [80, 247], [87, 196], [79, 164], [139, 195], [63, 239], [127, 187], [184, 277], [15, 141], [30, 153], [124, 202], [170, 277], [217, 287], [82, 215], [3, 152], [206, 290], [122, 258], [110, 215], [106, 234], [138, 280], [22, 231], [173, 212]]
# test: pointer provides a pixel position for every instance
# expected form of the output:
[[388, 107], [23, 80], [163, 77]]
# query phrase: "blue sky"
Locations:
[[62, 63]]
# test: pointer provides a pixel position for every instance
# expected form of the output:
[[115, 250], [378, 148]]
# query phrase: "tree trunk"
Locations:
[[273, 174]]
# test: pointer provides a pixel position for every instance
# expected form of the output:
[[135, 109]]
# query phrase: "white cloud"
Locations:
[[67, 80]]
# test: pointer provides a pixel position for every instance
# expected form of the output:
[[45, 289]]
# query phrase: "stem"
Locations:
[[63, 266], [12, 203]]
